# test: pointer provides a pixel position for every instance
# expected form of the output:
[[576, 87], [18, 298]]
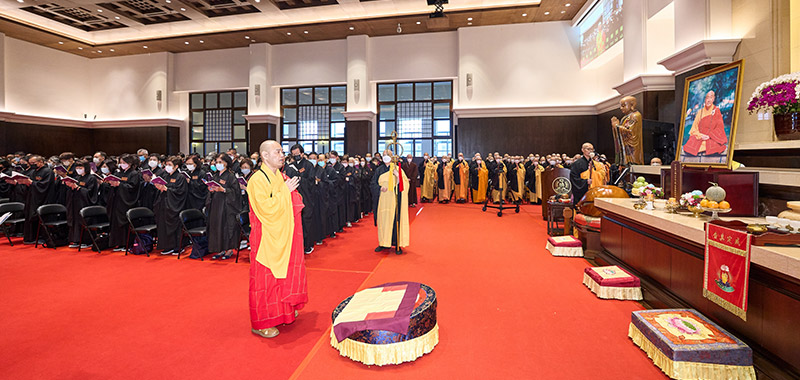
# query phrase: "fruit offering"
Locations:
[[716, 198], [638, 186]]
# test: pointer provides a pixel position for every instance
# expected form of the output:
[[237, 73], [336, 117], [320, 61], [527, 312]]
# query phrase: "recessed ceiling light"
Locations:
[[60, 42], [111, 50], [100, 11], [567, 4], [305, 32], [169, 1], [183, 9], [469, 18], [469, 23], [145, 46], [202, 42], [524, 15], [419, 22], [258, 1], [186, 43], [247, 37], [546, 13], [116, 17], [20, 1], [80, 48], [563, 11], [288, 33], [99, 51], [352, 28]]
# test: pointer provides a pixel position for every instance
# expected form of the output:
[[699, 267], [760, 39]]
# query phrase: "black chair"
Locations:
[[51, 217], [4, 200], [193, 222], [244, 221], [141, 220], [95, 222], [17, 218]]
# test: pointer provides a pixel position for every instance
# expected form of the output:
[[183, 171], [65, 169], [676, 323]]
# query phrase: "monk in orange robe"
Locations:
[[278, 287]]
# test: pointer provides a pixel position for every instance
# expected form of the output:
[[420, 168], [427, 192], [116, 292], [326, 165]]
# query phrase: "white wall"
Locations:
[[125, 87], [309, 63], [525, 65], [45, 82], [414, 56], [212, 69], [660, 38]]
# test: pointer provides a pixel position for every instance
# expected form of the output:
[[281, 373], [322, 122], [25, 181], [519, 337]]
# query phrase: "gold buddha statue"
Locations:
[[628, 133]]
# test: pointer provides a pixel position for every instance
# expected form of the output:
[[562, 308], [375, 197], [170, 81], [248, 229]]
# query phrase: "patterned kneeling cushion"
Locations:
[[612, 282], [564, 246]]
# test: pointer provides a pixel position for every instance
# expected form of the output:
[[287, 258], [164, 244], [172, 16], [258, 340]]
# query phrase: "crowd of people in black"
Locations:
[[335, 189]]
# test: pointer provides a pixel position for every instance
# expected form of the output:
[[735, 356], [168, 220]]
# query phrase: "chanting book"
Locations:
[[69, 180], [17, 175], [93, 166], [148, 173], [158, 181], [185, 174], [213, 184], [242, 181], [209, 177], [111, 178], [60, 169]]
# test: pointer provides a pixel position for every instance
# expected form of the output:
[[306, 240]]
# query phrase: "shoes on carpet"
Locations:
[[266, 333], [319, 242], [349, 224], [73, 245], [85, 246], [309, 250], [379, 249], [217, 256], [243, 244], [167, 252], [399, 251], [228, 255], [29, 242], [119, 249]]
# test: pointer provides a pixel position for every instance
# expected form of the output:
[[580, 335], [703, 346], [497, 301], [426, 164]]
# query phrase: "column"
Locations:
[[360, 133]]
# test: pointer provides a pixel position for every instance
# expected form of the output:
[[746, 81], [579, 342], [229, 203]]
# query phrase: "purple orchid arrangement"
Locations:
[[778, 96]]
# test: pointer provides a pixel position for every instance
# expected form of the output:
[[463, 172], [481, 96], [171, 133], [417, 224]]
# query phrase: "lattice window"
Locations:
[[314, 118], [218, 125], [420, 113]]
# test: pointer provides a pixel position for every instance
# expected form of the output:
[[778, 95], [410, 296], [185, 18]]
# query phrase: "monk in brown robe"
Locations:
[[412, 173]]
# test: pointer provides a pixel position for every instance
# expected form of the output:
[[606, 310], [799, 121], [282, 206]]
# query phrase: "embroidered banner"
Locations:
[[727, 268]]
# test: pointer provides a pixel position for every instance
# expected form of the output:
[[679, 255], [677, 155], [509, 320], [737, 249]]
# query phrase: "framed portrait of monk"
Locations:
[[708, 122]]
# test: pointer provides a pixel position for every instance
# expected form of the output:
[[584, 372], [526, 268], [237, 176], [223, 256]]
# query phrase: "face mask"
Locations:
[[254, 161], [220, 167], [213, 168], [169, 169], [369, 158], [553, 163], [190, 167], [312, 161], [96, 160], [141, 158], [387, 159], [152, 164], [65, 163], [479, 161], [49, 165], [350, 164], [591, 154], [80, 171], [409, 160], [425, 157], [297, 158], [363, 163], [104, 170], [569, 162], [460, 158], [124, 166], [491, 159], [245, 171], [321, 163], [332, 161]]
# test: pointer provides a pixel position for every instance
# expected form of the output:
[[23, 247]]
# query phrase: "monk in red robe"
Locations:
[[278, 286], [708, 130]]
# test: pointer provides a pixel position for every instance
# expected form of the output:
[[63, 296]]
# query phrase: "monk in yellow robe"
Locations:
[[499, 181], [478, 180], [445, 180], [278, 287], [431, 178], [461, 179], [391, 191]]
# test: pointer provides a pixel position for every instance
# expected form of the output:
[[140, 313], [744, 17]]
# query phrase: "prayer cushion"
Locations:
[[686, 345], [564, 246], [381, 347], [564, 241], [589, 221], [612, 282]]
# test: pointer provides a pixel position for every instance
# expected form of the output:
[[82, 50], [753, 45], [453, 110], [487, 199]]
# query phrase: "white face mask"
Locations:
[[96, 160], [425, 157], [152, 164], [80, 171], [169, 169], [479, 161], [332, 161], [552, 162], [350, 164], [387, 159], [104, 170], [655, 164], [190, 167], [591, 154], [245, 171], [460, 158], [409, 160], [65, 163], [363, 163], [123, 166]]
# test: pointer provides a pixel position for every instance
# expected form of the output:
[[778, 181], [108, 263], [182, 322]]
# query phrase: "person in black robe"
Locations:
[[82, 193], [331, 184], [105, 168], [40, 185], [579, 185], [147, 197], [123, 195], [300, 167], [20, 192], [171, 200], [530, 174], [341, 191], [319, 194], [6, 186], [351, 190], [224, 206], [366, 192], [411, 171], [198, 191], [67, 161]]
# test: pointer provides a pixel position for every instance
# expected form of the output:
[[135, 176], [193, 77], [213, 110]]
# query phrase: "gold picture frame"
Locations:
[[710, 109]]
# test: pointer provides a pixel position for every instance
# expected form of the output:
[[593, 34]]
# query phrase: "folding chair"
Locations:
[[193, 223], [51, 216], [244, 220], [141, 220], [94, 221], [16, 218], [4, 200]]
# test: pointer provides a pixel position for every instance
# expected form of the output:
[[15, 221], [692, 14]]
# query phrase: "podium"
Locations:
[[547, 189]]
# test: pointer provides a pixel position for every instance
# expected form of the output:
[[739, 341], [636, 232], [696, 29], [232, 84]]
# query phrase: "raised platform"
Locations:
[[666, 252]]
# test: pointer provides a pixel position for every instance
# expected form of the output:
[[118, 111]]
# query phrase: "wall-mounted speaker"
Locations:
[[257, 90], [158, 95]]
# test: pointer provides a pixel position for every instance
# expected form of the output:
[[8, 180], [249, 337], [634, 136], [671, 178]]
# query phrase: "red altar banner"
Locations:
[[726, 277]]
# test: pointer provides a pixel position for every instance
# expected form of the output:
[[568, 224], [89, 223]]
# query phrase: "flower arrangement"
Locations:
[[651, 189], [779, 96], [692, 199]]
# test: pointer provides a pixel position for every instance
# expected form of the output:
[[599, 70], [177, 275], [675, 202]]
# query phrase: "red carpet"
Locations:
[[506, 309]]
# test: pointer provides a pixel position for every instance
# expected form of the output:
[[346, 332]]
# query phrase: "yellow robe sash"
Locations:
[[479, 196], [271, 201]]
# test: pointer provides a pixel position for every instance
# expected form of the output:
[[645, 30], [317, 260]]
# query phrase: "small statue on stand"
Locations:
[[628, 133]]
